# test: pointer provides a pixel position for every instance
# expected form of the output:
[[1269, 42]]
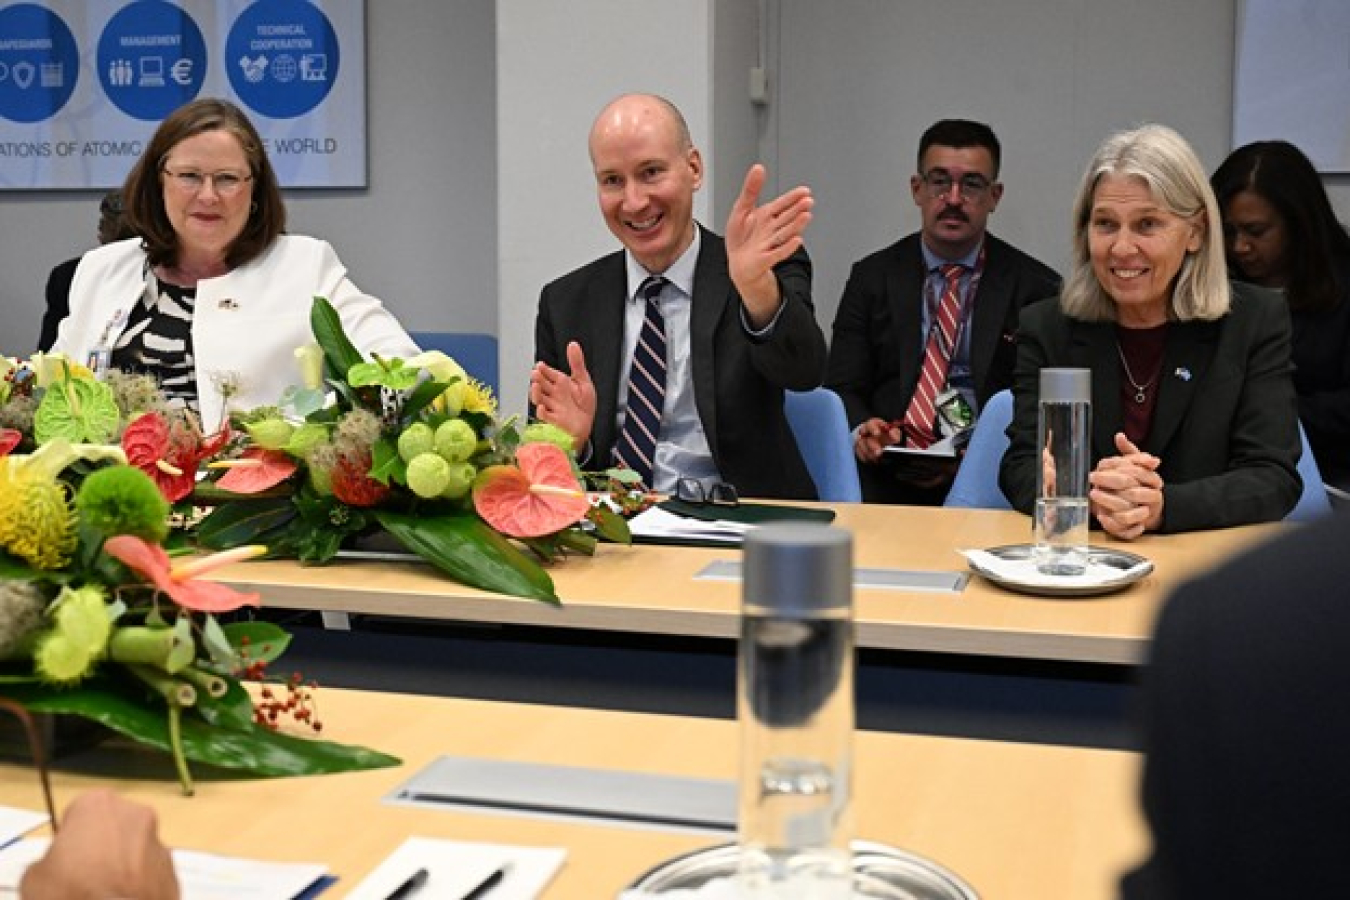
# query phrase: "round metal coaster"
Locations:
[[880, 873]]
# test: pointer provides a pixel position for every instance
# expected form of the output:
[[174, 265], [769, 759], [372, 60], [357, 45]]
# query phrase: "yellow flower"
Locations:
[[310, 360], [37, 517], [478, 398]]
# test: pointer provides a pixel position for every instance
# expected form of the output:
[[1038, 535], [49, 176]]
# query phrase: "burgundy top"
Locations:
[[1141, 353]]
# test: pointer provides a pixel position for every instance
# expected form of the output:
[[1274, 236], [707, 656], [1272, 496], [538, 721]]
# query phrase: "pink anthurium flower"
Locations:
[[9, 439], [180, 582]]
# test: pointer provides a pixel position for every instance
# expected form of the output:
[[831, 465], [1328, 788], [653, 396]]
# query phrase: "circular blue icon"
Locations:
[[282, 57], [39, 63], [151, 59]]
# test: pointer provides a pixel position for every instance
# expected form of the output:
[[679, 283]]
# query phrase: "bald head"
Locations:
[[641, 112]]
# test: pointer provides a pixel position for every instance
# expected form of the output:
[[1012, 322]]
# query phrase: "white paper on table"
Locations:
[[15, 823], [658, 523], [201, 876], [455, 868]]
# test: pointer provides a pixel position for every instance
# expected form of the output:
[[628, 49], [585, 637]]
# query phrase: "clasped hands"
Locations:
[[1126, 492], [757, 239]]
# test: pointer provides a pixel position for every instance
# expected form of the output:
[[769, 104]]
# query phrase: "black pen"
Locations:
[[487, 884], [410, 884]]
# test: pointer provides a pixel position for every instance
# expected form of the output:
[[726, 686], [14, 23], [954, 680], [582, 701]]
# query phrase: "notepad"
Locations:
[[456, 867], [15, 823], [201, 876]]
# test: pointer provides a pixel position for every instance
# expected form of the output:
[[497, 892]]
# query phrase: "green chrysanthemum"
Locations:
[[548, 433], [123, 500], [79, 639], [37, 521]]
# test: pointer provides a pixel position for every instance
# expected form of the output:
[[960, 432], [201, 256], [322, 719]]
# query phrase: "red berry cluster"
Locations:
[[294, 697]]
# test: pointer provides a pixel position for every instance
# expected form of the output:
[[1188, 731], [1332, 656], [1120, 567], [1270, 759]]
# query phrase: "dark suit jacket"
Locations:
[[1225, 424], [1246, 725], [58, 301], [738, 381], [1322, 382], [877, 348]]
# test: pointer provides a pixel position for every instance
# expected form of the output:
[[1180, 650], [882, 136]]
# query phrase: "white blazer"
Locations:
[[247, 323]]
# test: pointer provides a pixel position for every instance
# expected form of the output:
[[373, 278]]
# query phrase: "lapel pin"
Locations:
[[227, 303], [1183, 373]]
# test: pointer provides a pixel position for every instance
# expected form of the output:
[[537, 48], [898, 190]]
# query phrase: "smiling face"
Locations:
[[953, 224], [1137, 247], [206, 221], [1255, 237], [646, 175]]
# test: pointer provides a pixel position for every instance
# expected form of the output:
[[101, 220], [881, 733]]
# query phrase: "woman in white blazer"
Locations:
[[212, 298]]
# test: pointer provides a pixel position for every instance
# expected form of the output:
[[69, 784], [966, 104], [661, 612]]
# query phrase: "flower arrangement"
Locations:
[[411, 448], [98, 621]]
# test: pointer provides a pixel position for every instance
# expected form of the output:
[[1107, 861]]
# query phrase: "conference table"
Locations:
[[657, 590], [1013, 820]]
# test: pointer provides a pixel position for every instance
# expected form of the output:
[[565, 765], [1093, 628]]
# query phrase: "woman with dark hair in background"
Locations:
[[1281, 232], [112, 226]]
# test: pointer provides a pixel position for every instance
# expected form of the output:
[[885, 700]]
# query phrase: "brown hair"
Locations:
[[143, 194]]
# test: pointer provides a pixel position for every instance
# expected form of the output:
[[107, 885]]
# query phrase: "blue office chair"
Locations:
[[826, 442], [976, 484], [1314, 503], [477, 353]]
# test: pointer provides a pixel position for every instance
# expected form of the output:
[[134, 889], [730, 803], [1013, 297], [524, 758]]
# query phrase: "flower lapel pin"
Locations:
[[227, 303]]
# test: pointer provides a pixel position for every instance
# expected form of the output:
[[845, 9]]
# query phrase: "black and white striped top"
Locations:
[[158, 341]]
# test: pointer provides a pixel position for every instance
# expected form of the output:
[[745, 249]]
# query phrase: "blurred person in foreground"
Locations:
[[1282, 233], [106, 847], [112, 226], [1193, 413], [212, 297], [1245, 785], [732, 319]]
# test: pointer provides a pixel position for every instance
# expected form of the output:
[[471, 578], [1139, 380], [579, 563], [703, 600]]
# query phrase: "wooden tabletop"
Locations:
[[654, 589], [1014, 820]]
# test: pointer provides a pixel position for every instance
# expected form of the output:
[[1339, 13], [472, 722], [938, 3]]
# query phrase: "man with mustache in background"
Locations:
[[926, 327]]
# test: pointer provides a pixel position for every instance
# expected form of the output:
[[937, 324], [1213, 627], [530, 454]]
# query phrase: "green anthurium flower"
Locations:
[[271, 434], [390, 373], [78, 409], [67, 654]]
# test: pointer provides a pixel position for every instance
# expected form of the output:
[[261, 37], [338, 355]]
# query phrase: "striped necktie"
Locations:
[[636, 447], [921, 416]]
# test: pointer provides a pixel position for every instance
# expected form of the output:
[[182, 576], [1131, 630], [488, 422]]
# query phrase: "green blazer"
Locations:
[[1225, 425]]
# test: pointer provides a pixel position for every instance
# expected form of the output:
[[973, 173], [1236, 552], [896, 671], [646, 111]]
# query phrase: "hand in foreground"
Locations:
[[875, 435], [107, 847], [1126, 491], [759, 238], [567, 401]]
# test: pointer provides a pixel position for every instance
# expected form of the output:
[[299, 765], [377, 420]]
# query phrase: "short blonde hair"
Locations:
[[1167, 164]]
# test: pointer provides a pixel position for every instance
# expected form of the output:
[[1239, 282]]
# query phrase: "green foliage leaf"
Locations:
[[245, 522], [252, 748], [265, 641], [422, 396], [466, 549], [386, 463], [610, 526], [339, 353]]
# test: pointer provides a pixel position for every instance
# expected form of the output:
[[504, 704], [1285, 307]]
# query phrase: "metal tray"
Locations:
[[880, 873], [1109, 570]]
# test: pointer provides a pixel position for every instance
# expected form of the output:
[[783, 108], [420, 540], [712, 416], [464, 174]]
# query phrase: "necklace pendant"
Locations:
[[1139, 397]]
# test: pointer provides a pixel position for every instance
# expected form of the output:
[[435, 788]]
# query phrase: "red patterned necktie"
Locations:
[[937, 356], [636, 447]]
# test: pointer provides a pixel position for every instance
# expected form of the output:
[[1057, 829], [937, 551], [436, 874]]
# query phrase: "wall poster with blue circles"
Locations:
[[85, 83]]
